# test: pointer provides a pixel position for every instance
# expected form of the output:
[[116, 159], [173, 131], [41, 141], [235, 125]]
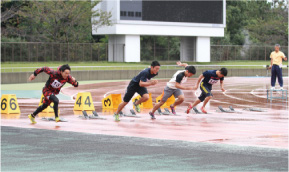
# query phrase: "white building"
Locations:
[[194, 21]]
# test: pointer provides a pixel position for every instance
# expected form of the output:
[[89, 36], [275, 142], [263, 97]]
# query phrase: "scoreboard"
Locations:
[[189, 11]]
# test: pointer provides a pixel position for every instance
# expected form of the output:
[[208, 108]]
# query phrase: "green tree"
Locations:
[[265, 23], [61, 21], [10, 19], [272, 26]]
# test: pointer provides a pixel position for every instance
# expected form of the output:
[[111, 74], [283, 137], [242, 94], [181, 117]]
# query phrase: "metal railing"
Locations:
[[40, 51], [132, 67], [242, 52]]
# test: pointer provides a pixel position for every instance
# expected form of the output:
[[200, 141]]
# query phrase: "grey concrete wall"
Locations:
[[21, 77]]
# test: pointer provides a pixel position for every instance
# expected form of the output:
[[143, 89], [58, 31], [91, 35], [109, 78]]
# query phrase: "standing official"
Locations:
[[276, 66]]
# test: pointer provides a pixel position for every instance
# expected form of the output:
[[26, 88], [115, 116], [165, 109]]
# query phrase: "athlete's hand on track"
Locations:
[[31, 77], [73, 79], [223, 90]]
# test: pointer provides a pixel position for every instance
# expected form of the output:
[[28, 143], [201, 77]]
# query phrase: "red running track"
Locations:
[[266, 129]]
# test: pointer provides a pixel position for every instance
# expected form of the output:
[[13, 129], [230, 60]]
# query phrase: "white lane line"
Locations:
[[111, 92], [218, 101], [233, 97], [252, 92]]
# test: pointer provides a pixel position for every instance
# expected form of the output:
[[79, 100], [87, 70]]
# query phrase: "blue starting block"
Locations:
[[271, 96]]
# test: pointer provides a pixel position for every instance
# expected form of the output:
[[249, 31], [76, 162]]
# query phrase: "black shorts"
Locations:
[[206, 91], [132, 88]]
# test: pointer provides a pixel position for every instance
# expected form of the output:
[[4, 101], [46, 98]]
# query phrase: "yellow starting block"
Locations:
[[9, 104], [108, 111], [84, 102], [111, 101], [147, 104], [170, 100], [49, 109]]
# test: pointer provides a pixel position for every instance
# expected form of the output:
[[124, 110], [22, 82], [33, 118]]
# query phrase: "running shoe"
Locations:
[[32, 119], [203, 110], [116, 116], [173, 110], [189, 109], [57, 119], [152, 115], [137, 108]]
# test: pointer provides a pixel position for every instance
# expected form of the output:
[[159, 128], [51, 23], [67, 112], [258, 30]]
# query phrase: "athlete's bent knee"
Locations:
[[145, 97], [181, 98], [54, 99]]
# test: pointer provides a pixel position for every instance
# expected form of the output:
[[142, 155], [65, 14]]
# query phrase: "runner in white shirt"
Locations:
[[175, 88]]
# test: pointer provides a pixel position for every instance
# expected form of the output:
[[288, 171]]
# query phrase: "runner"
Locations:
[[138, 84], [52, 87], [209, 77], [175, 88]]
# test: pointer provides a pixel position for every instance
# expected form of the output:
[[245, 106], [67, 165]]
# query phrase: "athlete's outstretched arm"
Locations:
[[45, 69], [222, 85], [199, 80], [149, 83], [72, 81], [179, 63], [179, 86]]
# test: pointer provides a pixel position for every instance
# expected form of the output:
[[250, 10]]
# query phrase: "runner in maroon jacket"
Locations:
[[52, 87]]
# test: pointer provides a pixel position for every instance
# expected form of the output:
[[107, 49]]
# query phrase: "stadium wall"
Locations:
[[22, 77]]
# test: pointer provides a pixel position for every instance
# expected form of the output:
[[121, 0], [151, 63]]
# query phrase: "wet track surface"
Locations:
[[252, 131]]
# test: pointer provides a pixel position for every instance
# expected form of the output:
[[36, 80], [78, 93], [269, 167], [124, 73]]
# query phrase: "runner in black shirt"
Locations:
[[138, 84]]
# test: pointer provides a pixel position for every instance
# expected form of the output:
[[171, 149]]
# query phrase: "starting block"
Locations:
[[196, 111], [233, 110], [111, 101], [121, 113], [53, 119], [93, 116], [9, 104], [224, 110], [132, 114], [159, 111], [230, 110], [147, 104], [167, 112], [169, 101], [83, 102], [255, 109], [271, 95]]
